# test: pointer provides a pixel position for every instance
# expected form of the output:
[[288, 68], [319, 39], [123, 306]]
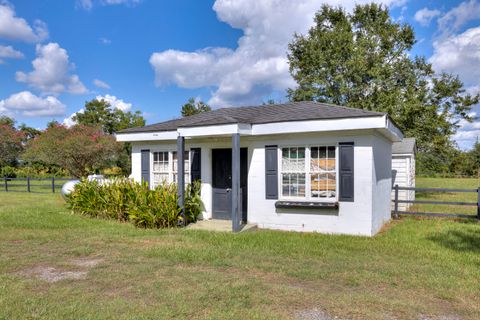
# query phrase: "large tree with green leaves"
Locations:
[[99, 112], [11, 142], [81, 149], [193, 107], [362, 60]]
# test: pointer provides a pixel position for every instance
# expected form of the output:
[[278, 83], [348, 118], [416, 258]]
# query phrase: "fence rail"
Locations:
[[11, 185], [396, 201]]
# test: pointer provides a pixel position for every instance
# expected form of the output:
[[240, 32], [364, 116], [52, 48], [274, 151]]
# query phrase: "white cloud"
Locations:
[[425, 15], [88, 4], [7, 52], [258, 66], [101, 84], [105, 41], [115, 103], [459, 54], [459, 16], [16, 28], [51, 72], [27, 104]]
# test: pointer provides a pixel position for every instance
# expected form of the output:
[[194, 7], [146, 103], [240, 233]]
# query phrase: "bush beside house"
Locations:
[[126, 200]]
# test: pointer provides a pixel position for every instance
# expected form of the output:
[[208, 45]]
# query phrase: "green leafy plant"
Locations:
[[126, 200]]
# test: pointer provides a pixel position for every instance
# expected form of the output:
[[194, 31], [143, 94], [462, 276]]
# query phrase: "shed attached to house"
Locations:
[[302, 166], [403, 170]]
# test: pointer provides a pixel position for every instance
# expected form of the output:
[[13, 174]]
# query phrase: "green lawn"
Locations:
[[415, 269], [448, 183]]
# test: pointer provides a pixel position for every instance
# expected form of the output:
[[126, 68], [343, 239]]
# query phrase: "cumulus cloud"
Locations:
[[7, 52], [101, 84], [16, 28], [425, 15], [115, 103], [258, 66], [459, 16], [52, 72], [27, 104], [459, 54]]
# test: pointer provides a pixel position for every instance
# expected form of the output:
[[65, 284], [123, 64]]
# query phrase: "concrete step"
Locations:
[[219, 225]]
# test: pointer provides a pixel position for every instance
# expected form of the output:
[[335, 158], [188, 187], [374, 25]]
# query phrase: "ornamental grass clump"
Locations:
[[126, 200]]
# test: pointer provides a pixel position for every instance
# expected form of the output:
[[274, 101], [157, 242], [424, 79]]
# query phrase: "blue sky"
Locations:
[[153, 55]]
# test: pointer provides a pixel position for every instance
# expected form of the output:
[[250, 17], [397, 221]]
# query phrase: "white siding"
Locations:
[[364, 216], [403, 174]]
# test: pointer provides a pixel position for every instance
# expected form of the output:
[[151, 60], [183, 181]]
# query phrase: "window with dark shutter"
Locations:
[[271, 172], [145, 165], [196, 164], [346, 157]]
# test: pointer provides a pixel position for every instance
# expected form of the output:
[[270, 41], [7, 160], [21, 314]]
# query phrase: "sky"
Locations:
[[152, 55]]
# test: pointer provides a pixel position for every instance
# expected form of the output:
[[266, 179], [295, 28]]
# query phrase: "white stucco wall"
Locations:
[[382, 182], [372, 181]]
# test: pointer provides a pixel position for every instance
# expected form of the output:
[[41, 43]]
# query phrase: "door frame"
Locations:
[[243, 181]]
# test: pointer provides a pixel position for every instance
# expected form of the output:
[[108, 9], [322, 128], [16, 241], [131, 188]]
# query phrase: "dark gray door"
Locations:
[[222, 183]]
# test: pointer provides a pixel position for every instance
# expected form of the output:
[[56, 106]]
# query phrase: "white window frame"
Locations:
[[308, 192], [170, 171]]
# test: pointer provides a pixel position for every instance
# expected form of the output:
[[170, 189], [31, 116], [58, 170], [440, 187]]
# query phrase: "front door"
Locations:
[[222, 183]]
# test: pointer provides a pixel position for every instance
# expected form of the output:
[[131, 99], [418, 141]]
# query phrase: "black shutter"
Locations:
[[271, 172], [196, 164], [145, 165], [346, 171]]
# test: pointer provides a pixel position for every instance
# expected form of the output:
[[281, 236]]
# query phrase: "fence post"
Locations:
[[478, 203], [53, 184], [28, 184], [6, 184], [395, 211]]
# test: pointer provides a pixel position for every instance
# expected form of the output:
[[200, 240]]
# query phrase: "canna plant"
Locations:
[[126, 200]]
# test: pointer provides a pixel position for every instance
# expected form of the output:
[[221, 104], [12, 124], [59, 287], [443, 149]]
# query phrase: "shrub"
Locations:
[[8, 172], [126, 200]]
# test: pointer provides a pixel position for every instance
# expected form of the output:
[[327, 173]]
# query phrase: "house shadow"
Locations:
[[466, 240]]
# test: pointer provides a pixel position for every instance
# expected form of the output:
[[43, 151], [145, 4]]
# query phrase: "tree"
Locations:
[[100, 113], [10, 122], [362, 60], [10, 143], [29, 132], [191, 107], [80, 149]]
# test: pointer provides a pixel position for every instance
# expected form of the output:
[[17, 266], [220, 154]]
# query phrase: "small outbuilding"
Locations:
[[301, 166], [403, 170]]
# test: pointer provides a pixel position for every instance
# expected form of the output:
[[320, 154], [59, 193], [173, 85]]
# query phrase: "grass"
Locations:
[[448, 183], [416, 268]]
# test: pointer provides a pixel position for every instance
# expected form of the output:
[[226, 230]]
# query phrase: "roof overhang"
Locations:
[[381, 123]]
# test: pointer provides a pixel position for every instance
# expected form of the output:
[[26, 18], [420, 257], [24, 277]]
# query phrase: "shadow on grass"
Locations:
[[459, 240]]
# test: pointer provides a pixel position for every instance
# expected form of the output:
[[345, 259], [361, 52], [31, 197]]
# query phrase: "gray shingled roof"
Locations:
[[293, 111], [407, 145]]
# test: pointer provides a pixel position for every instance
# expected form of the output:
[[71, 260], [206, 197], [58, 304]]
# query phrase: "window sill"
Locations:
[[305, 205]]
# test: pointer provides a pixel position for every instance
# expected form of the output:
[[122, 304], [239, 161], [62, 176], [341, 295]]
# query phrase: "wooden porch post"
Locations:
[[181, 175], [236, 182]]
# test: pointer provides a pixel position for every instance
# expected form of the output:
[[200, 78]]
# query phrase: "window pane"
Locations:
[[293, 185], [186, 161], [322, 172], [293, 159]]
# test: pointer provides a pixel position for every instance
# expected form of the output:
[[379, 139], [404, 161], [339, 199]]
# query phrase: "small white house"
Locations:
[[403, 170], [300, 166]]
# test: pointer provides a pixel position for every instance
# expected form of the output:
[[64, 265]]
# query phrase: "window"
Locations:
[[309, 172], [323, 182], [293, 172], [160, 168], [165, 167], [186, 166]]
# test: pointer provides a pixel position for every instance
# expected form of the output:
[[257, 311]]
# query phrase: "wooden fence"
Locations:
[[396, 201], [32, 184]]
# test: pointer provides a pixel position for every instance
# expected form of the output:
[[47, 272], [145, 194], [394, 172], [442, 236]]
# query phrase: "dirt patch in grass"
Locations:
[[51, 274], [313, 314], [54, 274]]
